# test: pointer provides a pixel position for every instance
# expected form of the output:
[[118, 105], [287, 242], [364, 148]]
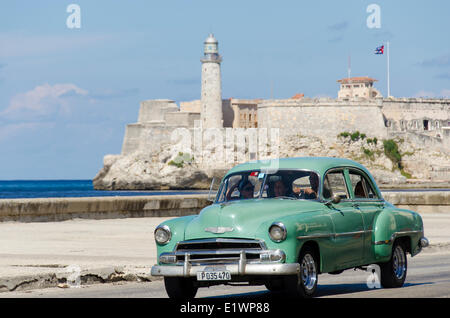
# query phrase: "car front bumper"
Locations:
[[234, 269]]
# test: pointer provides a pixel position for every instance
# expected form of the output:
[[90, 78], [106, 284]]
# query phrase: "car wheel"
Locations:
[[304, 284], [275, 285], [393, 273], [180, 288]]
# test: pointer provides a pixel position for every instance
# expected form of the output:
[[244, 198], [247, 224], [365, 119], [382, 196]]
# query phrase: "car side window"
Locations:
[[362, 189], [334, 183]]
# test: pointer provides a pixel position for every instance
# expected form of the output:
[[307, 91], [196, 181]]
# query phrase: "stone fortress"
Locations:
[[354, 125]]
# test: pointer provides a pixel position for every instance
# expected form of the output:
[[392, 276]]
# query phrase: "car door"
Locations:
[[348, 236], [367, 201]]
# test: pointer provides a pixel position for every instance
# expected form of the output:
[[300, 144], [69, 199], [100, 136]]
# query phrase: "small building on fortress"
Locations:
[[358, 87]]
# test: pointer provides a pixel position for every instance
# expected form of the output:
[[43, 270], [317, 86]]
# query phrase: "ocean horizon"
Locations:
[[21, 189]]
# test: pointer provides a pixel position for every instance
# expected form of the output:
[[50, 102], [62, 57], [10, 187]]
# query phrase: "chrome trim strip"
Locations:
[[395, 235], [315, 236], [242, 263], [351, 233], [333, 235], [215, 252], [218, 229]]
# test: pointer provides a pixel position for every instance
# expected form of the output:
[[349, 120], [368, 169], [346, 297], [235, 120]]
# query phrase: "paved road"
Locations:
[[428, 276]]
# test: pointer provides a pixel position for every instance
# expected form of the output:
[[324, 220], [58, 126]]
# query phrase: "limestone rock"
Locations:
[[169, 168]]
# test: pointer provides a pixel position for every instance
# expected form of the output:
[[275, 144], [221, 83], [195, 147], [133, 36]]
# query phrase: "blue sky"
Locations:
[[66, 95]]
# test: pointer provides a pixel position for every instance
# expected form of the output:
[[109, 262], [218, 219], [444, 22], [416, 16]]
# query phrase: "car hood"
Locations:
[[242, 219]]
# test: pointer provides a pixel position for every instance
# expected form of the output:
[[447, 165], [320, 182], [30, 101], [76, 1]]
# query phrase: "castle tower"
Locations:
[[211, 98]]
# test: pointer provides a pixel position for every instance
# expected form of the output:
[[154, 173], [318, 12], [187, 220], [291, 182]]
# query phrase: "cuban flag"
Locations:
[[379, 50]]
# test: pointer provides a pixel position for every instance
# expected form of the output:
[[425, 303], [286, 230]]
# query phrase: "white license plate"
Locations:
[[214, 275]]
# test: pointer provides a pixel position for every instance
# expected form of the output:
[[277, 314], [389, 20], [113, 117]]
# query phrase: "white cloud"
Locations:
[[43, 100]]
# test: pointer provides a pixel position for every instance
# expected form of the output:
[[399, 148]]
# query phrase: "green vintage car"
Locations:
[[281, 223]]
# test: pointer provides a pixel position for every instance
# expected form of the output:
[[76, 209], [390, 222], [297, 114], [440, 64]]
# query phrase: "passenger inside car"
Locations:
[[312, 192], [359, 190], [280, 189], [245, 188]]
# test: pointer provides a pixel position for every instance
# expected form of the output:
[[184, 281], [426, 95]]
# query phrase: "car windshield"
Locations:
[[284, 184]]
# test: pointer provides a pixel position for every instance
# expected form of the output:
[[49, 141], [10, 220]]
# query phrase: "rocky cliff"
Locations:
[[393, 162]]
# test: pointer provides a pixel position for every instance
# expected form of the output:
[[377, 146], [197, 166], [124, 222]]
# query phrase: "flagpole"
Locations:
[[388, 70], [349, 68]]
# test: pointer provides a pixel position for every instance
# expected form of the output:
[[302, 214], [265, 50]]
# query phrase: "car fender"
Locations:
[[391, 224], [312, 226], [177, 227]]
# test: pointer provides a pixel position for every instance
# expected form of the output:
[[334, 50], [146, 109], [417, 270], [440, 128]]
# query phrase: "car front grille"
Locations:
[[219, 250]]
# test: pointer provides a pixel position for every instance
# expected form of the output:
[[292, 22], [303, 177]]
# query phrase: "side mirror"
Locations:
[[335, 200], [212, 193]]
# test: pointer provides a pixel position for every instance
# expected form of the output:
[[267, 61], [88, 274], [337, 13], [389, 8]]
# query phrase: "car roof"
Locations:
[[318, 164]]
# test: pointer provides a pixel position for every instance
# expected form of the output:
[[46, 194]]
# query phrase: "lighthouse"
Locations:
[[211, 94]]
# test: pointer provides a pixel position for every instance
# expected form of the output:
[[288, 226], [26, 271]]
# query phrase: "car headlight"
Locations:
[[163, 234], [277, 232]]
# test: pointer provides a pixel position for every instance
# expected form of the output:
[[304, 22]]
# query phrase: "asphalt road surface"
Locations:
[[428, 276]]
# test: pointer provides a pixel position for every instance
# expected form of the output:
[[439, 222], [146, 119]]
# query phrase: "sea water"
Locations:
[[14, 189]]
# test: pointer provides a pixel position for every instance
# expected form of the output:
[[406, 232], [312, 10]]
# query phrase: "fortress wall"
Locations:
[[194, 106], [181, 119], [151, 130], [155, 110], [323, 117], [132, 138], [410, 114], [145, 137]]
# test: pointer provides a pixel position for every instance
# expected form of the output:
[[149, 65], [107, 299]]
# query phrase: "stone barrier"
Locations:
[[60, 209], [422, 202]]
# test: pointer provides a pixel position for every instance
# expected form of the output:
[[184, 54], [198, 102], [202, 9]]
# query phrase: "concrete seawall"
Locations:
[[60, 209], [422, 202]]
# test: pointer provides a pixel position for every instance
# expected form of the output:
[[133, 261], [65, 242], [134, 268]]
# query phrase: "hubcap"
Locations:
[[399, 262], [308, 271]]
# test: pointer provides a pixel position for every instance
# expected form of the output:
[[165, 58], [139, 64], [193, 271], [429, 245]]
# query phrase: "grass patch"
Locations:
[[369, 153], [181, 159], [373, 140], [405, 174], [391, 151]]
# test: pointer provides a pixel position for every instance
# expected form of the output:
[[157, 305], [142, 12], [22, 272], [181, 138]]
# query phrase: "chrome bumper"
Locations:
[[243, 267], [423, 242], [235, 269]]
